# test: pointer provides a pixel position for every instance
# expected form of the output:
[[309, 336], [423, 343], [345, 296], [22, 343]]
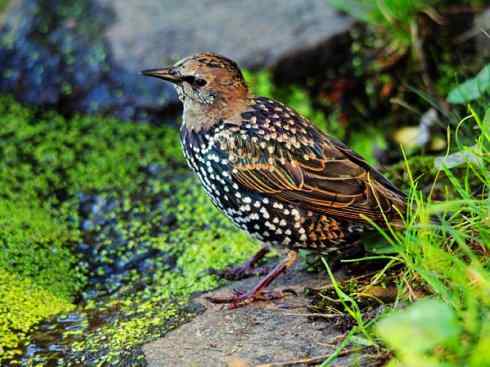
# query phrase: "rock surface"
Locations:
[[85, 56], [260, 333], [255, 33]]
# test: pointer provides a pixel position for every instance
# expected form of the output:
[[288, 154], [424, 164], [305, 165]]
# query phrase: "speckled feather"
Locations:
[[268, 168], [279, 178]]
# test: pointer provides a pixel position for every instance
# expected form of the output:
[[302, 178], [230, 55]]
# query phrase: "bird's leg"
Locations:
[[258, 293], [247, 269]]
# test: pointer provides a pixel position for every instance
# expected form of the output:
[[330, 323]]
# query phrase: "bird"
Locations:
[[272, 172]]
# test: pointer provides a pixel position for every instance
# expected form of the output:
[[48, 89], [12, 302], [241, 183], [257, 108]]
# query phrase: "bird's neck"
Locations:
[[200, 117]]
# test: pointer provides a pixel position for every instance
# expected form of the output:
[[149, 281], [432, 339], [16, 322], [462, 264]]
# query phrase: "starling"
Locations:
[[272, 172]]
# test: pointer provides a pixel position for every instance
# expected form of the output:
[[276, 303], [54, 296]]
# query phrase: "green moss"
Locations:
[[202, 239], [35, 246], [23, 304], [47, 156], [47, 161], [136, 321], [151, 303]]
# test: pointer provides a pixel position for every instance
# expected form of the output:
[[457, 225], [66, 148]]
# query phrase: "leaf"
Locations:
[[420, 327], [472, 88]]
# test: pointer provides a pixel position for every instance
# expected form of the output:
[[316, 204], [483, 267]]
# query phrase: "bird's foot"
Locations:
[[241, 298], [259, 292], [247, 269]]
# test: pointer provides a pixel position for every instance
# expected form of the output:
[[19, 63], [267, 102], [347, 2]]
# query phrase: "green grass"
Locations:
[[445, 274], [450, 259]]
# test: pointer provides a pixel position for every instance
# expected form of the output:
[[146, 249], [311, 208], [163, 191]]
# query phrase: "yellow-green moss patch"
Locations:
[[80, 200], [23, 304], [47, 162]]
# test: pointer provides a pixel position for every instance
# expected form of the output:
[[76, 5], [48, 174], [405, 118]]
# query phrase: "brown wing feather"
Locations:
[[320, 174]]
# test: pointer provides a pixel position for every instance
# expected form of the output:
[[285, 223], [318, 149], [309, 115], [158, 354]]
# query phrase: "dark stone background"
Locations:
[[85, 56]]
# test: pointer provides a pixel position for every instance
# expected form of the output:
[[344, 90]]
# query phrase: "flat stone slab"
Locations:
[[86, 56], [254, 335]]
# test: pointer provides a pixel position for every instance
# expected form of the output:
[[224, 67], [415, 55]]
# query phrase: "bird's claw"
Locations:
[[240, 298]]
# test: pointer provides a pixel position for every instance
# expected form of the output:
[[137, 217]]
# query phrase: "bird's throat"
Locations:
[[198, 117]]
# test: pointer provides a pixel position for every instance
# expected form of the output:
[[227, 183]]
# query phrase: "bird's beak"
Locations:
[[168, 74]]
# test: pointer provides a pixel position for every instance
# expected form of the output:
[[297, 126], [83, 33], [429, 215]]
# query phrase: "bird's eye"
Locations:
[[200, 82], [192, 80]]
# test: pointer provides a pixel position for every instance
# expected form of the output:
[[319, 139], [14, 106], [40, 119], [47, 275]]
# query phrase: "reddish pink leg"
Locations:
[[258, 293]]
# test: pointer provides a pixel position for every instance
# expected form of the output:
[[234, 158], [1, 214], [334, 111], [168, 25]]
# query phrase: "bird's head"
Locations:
[[204, 79]]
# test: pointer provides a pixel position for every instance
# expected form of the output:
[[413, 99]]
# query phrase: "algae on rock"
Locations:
[[102, 213]]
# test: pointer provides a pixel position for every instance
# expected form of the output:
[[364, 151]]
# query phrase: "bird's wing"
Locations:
[[300, 165]]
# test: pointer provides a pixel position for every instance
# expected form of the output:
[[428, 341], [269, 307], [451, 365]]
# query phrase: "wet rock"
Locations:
[[85, 56], [260, 333]]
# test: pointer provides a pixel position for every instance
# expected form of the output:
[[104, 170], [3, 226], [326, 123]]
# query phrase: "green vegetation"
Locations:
[[449, 258], [22, 305], [48, 161], [443, 251], [472, 89], [395, 19], [3, 5], [45, 159], [35, 246], [48, 157], [418, 330]]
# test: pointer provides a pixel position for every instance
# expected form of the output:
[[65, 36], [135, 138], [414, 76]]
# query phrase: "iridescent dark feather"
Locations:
[[280, 154]]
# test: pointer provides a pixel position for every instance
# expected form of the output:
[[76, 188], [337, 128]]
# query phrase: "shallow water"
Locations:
[[120, 259]]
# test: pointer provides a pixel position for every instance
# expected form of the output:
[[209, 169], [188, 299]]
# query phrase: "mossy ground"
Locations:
[[106, 210], [22, 305]]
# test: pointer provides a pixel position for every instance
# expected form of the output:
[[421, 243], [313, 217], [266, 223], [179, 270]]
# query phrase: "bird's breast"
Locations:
[[264, 217]]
